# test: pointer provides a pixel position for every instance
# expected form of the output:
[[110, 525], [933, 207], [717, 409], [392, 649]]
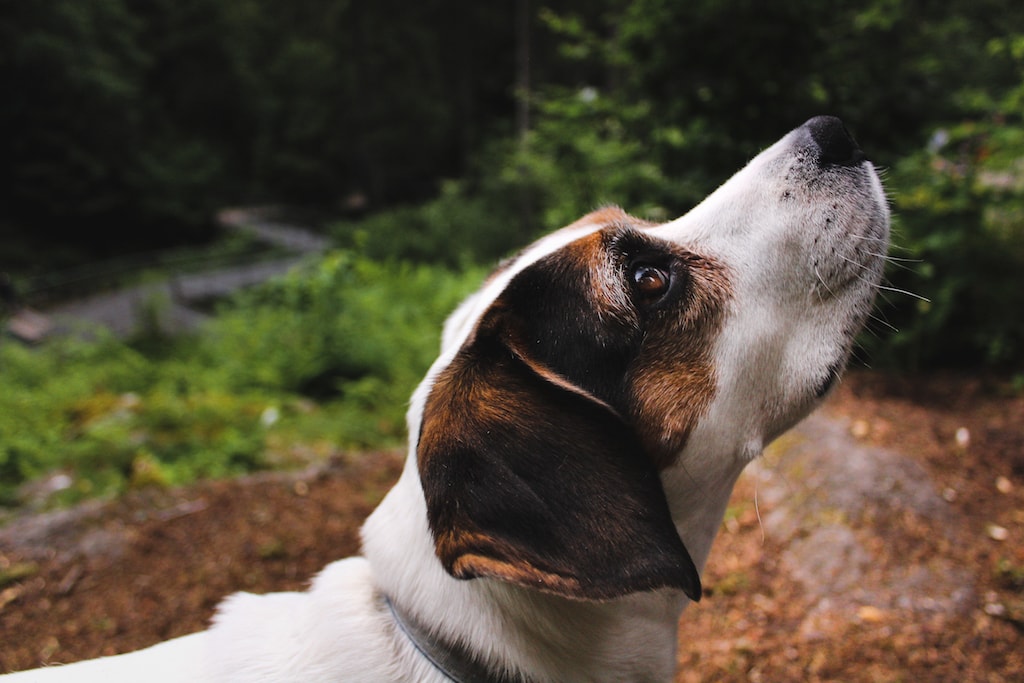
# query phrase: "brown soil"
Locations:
[[753, 626], [112, 577]]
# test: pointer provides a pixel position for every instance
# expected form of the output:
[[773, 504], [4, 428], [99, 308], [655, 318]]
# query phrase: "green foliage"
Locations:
[[581, 155], [749, 70], [352, 328], [578, 157], [158, 113], [134, 121], [959, 206], [460, 226], [322, 359], [655, 103]]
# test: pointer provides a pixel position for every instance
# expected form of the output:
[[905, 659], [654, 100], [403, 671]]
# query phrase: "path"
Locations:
[[171, 303], [168, 304]]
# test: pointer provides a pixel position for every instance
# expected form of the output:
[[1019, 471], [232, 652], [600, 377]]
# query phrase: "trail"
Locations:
[[171, 304]]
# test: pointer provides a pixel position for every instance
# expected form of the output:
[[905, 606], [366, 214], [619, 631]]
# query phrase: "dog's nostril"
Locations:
[[835, 144]]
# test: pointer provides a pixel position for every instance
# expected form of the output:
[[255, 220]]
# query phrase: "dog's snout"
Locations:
[[836, 147]]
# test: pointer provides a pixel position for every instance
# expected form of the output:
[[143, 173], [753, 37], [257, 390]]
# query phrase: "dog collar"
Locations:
[[454, 662]]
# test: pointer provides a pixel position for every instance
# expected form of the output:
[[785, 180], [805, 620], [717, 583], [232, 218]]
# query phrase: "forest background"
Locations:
[[427, 140]]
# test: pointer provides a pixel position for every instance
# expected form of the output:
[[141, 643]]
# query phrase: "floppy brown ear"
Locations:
[[530, 480]]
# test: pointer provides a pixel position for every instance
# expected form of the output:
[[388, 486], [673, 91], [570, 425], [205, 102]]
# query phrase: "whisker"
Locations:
[[897, 247], [870, 282], [902, 264], [899, 263], [866, 238], [854, 263], [897, 290], [822, 282], [873, 327], [881, 289], [878, 240], [887, 257], [857, 353], [888, 302], [757, 510], [882, 321], [876, 285], [859, 265]]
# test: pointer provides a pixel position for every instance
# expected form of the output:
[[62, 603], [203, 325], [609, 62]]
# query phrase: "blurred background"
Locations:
[[383, 154]]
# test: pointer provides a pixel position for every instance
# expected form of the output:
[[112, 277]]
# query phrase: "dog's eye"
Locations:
[[651, 281]]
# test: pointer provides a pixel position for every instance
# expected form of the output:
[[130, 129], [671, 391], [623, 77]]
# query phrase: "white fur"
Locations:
[[788, 322]]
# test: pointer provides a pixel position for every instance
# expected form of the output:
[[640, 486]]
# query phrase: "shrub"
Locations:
[[959, 218], [320, 360], [583, 153]]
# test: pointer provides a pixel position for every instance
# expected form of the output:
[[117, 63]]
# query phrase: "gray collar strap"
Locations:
[[455, 662]]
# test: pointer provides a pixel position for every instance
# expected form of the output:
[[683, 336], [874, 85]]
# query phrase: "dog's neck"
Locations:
[[632, 638]]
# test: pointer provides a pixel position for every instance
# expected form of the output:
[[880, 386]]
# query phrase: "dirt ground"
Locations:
[[111, 577]]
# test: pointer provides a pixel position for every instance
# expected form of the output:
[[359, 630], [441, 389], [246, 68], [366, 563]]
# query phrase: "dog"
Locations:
[[573, 448]]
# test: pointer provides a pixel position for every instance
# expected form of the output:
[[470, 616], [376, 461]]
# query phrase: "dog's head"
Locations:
[[614, 354]]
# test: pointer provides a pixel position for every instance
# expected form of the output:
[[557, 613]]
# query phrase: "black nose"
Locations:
[[835, 144]]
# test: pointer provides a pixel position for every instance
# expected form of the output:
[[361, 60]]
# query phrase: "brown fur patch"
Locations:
[[672, 380], [520, 573], [609, 216]]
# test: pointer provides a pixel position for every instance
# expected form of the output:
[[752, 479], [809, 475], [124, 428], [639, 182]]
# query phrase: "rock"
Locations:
[[837, 508]]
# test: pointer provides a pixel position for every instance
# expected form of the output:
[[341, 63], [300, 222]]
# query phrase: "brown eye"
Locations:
[[651, 282]]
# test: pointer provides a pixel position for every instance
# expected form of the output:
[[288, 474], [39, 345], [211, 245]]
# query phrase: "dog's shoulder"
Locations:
[[296, 636]]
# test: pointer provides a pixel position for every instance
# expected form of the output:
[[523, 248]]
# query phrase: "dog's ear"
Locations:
[[530, 479]]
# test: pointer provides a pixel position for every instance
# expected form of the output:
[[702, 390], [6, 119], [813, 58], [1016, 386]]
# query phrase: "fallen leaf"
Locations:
[[870, 614]]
